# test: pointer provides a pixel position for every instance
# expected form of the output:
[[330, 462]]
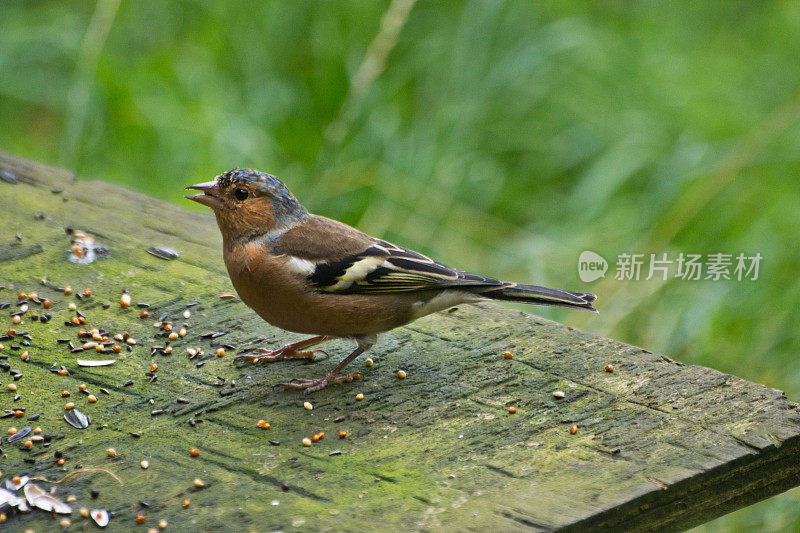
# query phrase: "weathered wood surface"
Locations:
[[659, 445]]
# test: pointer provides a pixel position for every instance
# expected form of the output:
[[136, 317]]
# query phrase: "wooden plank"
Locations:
[[659, 445]]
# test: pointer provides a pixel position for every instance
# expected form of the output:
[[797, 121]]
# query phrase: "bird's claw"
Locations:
[[270, 356]]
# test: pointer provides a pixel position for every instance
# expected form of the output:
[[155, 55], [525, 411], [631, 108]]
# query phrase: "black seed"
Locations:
[[284, 487], [5, 366], [34, 417], [192, 422], [26, 342], [56, 190], [17, 397], [104, 391], [77, 350], [135, 435], [77, 419], [144, 503], [182, 400], [5, 305], [106, 305], [127, 383], [336, 452], [339, 418], [21, 434], [58, 454], [275, 442], [143, 304], [163, 252], [38, 215], [155, 377], [95, 493], [8, 177], [200, 363], [156, 412]]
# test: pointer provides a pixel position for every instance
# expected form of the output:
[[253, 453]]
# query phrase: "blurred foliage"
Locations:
[[501, 137]]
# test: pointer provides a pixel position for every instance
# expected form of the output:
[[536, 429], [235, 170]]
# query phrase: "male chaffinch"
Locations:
[[310, 274]]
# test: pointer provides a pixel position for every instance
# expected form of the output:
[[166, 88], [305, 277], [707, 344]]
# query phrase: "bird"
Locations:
[[306, 273]]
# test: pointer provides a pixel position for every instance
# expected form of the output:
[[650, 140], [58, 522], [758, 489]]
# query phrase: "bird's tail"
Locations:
[[532, 294]]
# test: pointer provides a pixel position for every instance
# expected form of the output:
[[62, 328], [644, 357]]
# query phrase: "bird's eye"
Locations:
[[240, 194]]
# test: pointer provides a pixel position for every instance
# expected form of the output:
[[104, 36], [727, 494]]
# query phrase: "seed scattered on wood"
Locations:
[[95, 362], [359, 396], [609, 368], [558, 393], [508, 355], [401, 374], [306, 442], [100, 517], [308, 406], [512, 409], [573, 430], [77, 419]]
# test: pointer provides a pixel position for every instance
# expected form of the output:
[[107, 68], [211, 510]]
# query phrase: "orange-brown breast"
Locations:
[[280, 297]]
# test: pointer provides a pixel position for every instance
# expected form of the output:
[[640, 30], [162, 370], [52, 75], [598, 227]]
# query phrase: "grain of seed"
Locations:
[[401, 374], [368, 362], [91, 398], [308, 406], [111, 452], [306, 442], [558, 393], [145, 464], [199, 483], [609, 368], [359, 396], [508, 355], [69, 406]]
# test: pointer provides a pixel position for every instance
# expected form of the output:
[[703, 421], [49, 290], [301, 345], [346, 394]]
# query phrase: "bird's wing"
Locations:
[[345, 261]]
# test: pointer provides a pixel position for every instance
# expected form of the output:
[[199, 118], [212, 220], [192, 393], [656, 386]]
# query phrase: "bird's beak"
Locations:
[[209, 195]]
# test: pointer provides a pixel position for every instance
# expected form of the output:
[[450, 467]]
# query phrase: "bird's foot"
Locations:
[[313, 385], [270, 356]]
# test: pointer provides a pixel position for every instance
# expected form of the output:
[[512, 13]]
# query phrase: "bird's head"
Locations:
[[248, 203]]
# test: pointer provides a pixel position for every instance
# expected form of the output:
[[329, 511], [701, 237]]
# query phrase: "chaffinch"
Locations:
[[310, 274]]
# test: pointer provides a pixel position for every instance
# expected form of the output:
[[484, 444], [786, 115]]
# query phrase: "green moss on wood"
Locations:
[[659, 445]]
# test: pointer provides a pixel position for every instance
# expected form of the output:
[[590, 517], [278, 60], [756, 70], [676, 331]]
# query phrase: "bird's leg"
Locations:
[[288, 350], [313, 385]]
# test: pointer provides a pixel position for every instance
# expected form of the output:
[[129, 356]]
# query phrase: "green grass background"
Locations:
[[501, 137]]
